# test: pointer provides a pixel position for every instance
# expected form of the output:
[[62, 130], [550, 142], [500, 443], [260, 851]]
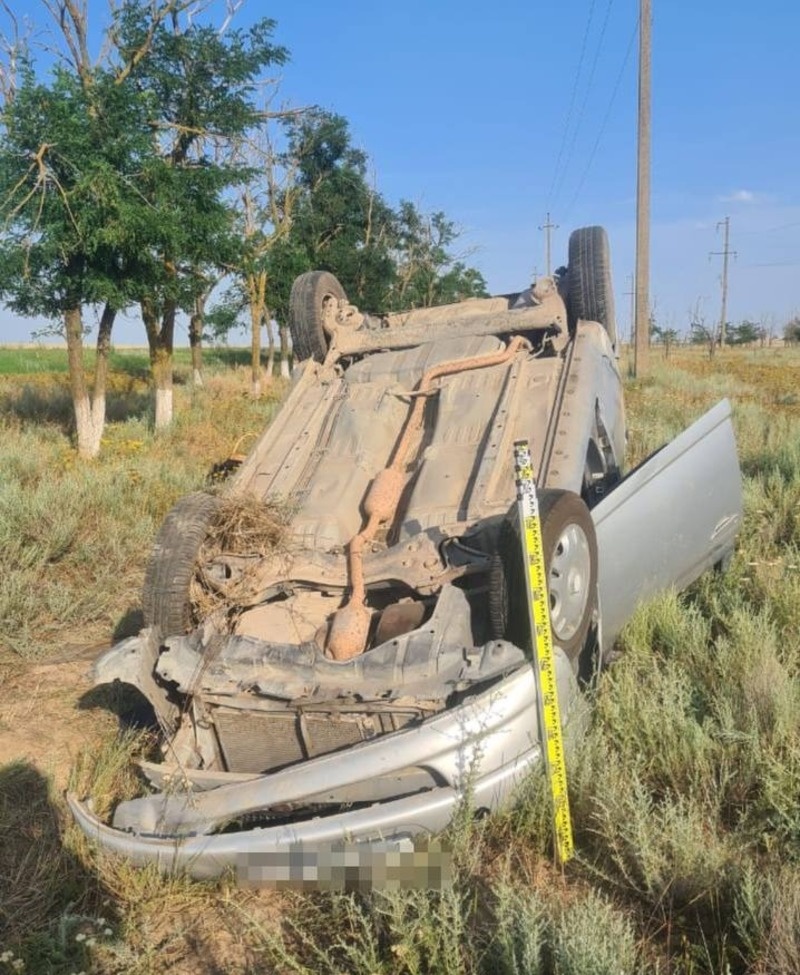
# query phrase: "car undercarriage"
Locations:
[[358, 676]]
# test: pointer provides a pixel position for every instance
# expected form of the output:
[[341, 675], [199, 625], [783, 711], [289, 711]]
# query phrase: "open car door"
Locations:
[[669, 520]]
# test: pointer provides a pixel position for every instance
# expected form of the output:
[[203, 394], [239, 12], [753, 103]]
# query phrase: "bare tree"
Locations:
[[700, 332], [266, 207], [14, 45], [769, 329]]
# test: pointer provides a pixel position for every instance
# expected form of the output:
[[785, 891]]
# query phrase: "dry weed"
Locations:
[[246, 527]]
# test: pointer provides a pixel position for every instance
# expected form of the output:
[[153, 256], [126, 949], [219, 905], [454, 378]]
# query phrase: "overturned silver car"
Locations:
[[379, 666]]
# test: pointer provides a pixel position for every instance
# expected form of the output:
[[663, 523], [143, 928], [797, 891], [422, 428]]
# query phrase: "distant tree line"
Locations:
[[160, 174], [700, 332], [791, 332]]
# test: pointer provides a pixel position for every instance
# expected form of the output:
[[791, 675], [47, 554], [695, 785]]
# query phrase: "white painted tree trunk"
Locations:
[[90, 410], [163, 408], [285, 351], [270, 370], [90, 419], [255, 388]]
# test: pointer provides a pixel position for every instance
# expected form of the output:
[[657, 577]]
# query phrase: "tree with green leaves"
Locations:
[[666, 336], [385, 259], [791, 331], [743, 333], [75, 145], [427, 273], [200, 84], [341, 223], [69, 163], [111, 189]]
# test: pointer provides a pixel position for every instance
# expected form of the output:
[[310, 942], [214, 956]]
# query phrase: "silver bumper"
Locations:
[[477, 752]]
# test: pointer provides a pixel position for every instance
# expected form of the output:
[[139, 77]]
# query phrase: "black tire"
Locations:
[[168, 577], [310, 293], [590, 292], [570, 555]]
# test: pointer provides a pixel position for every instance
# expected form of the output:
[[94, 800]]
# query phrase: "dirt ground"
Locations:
[[47, 714]]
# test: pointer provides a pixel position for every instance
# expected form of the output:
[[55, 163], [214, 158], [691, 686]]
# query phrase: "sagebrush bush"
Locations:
[[767, 919], [75, 536], [592, 937], [519, 932], [649, 707]]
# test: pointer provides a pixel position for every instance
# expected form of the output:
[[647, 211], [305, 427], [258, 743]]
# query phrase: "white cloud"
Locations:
[[740, 196]]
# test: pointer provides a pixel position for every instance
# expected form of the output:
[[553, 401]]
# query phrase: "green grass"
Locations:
[[685, 792], [74, 536], [133, 362]]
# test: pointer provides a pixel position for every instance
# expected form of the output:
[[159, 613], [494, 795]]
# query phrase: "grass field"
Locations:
[[32, 360], [685, 793]]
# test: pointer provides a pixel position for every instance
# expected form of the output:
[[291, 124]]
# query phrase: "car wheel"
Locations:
[[590, 294], [311, 295], [570, 554], [169, 573]]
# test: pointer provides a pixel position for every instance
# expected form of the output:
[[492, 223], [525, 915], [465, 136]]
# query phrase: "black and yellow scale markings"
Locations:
[[542, 641]]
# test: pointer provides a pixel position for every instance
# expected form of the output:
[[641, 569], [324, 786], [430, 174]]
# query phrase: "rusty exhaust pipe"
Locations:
[[349, 628]]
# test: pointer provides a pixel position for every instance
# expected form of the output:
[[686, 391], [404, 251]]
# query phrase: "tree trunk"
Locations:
[[255, 350], [196, 339], [284, 334], [101, 366], [160, 340], [256, 291], [270, 371], [90, 410]]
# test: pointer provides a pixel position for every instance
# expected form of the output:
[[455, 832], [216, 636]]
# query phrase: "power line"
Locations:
[[587, 92], [604, 123], [573, 95], [771, 230]]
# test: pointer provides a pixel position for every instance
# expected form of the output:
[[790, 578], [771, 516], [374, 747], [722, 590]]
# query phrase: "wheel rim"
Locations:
[[568, 581], [330, 306]]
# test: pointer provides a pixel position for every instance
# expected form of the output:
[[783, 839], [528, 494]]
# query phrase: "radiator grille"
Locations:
[[265, 741]]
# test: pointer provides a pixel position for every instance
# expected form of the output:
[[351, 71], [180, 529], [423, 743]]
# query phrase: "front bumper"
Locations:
[[476, 752]]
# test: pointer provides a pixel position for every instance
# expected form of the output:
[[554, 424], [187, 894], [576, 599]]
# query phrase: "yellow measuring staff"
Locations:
[[542, 640]]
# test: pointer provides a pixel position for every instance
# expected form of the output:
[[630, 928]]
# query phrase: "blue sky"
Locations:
[[497, 113]]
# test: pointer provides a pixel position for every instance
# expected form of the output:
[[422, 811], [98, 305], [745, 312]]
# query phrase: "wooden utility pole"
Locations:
[[547, 227], [724, 254], [641, 348], [632, 295]]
